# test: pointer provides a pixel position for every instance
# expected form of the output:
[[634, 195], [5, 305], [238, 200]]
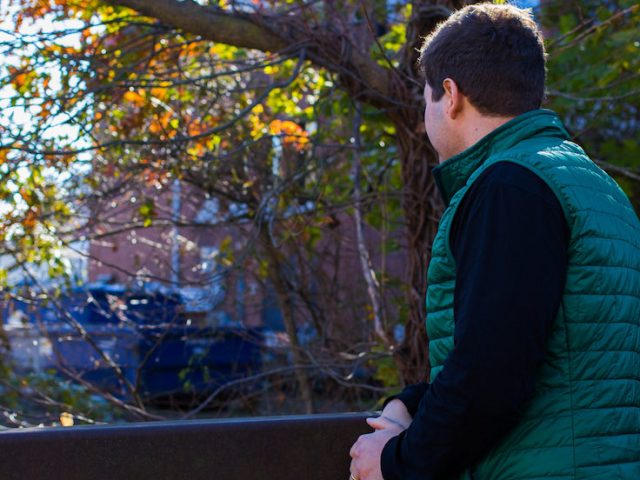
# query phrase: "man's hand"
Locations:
[[396, 412], [366, 452]]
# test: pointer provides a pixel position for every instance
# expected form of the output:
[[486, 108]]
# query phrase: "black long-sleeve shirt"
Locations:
[[509, 240]]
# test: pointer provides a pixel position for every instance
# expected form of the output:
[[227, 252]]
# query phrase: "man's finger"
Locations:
[[353, 451], [353, 470], [382, 422]]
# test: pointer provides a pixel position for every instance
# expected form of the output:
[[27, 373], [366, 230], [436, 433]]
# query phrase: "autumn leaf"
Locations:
[[66, 419], [136, 98], [29, 221]]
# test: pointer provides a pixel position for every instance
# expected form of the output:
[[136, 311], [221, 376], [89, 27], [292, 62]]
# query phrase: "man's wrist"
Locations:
[[396, 411], [398, 423], [410, 397], [389, 400]]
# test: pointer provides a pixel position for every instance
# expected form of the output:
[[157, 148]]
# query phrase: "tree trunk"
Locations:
[[421, 203], [283, 293]]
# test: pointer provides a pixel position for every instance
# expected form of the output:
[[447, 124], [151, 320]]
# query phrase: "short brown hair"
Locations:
[[494, 53]]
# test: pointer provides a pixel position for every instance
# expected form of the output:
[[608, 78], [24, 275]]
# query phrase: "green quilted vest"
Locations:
[[584, 420]]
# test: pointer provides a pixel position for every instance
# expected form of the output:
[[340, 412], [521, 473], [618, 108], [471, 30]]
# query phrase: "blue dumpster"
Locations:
[[143, 333], [188, 363]]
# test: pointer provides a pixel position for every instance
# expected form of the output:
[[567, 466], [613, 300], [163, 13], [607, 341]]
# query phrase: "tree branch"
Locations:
[[618, 170], [271, 34], [207, 22]]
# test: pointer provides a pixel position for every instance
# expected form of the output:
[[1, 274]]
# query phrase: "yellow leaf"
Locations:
[[66, 419]]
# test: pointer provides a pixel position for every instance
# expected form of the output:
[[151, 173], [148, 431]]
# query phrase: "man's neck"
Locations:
[[477, 126], [468, 128]]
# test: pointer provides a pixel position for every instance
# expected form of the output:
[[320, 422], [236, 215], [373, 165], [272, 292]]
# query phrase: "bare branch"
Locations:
[[617, 170], [373, 286]]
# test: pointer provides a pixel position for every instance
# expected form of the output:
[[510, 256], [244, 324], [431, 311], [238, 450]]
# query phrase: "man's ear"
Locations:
[[454, 97]]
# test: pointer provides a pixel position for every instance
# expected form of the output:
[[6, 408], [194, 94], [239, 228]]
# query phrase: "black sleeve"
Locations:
[[509, 241], [410, 396]]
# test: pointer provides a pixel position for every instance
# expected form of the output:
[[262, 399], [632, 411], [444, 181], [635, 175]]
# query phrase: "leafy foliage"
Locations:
[[99, 102], [594, 80]]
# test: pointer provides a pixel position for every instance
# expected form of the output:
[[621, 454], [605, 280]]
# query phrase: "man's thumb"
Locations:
[[377, 423]]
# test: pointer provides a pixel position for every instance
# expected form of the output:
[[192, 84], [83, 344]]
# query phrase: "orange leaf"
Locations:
[[135, 98], [29, 220], [20, 80]]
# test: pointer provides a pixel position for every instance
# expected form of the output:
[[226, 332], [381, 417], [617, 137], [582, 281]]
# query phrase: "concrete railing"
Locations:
[[314, 447]]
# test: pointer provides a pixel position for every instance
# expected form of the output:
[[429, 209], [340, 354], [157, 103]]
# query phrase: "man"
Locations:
[[533, 300]]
